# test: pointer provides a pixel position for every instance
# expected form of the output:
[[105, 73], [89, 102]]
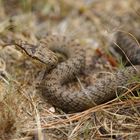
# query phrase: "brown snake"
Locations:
[[102, 91]]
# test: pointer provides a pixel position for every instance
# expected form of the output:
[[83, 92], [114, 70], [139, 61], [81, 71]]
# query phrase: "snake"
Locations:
[[53, 84]]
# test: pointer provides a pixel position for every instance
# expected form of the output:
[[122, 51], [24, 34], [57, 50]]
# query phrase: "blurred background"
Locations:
[[93, 23]]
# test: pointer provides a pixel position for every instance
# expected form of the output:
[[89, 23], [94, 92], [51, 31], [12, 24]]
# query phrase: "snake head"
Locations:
[[30, 49], [39, 52]]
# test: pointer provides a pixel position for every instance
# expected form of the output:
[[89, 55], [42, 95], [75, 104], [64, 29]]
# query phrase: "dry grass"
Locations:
[[24, 115]]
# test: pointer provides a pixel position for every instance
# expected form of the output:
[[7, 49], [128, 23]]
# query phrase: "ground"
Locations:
[[24, 114]]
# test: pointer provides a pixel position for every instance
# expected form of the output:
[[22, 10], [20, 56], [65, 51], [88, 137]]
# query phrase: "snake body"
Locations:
[[128, 47], [53, 84], [102, 91]]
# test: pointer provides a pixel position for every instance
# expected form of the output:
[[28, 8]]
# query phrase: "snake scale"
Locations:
[[105, 89]]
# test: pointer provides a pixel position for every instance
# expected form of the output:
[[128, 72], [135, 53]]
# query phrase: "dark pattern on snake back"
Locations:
[[105, 89]]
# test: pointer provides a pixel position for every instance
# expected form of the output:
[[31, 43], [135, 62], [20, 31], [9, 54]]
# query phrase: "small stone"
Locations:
[[52, 109]]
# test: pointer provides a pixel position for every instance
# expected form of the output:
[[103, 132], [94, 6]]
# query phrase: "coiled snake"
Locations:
[[60, 73]]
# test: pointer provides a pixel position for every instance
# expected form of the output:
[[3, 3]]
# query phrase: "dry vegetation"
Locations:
[[24, 114]]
